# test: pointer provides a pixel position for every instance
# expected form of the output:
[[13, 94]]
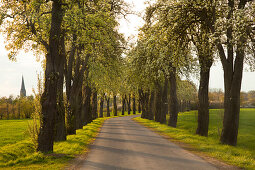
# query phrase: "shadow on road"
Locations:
[[130, 134], [153, 156], [138, 142]]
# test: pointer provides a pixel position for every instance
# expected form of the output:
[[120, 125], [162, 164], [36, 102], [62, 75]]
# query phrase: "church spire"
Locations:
[[22, 90]]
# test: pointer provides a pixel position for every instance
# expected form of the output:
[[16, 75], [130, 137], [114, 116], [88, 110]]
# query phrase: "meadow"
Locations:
[[13, 131], [243, 155]]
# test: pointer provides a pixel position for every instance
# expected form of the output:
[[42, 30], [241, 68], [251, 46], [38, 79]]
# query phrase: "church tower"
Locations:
[[22, 90]]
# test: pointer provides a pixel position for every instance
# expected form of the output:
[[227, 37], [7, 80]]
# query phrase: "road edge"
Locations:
[[77, 161], [213, 161]]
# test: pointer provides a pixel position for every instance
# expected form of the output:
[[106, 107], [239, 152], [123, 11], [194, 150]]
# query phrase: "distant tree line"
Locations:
[[16, 108], [216, 99]]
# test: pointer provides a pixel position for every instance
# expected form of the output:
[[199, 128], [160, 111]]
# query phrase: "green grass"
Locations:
[[13, 131], [243, 155]]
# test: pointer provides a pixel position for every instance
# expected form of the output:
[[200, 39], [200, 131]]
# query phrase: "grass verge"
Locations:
[[243, 155]]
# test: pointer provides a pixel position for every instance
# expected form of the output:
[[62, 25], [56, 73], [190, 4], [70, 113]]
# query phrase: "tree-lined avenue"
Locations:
[[124, 144]]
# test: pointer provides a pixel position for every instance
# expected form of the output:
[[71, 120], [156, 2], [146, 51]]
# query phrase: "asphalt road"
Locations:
[[125, 145]]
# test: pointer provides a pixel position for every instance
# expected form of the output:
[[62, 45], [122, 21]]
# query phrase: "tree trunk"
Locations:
[[70, 120], [108, 106], [147, 99], [87, 106], [173, 99], [144, 97], [73, 111], [115, 112], [81, 68], [83, 111], [142, 101], [232, 81], [164, 103], [129, 104], [134, 106], [151, 103], [123, 106], [60, 128], [233, 72], [74, 97], [49, 96], [180, 106], [203, 100], [73, 107], [70, 117], [157, 102], [101, 112], [94, 105], [78, 110], [139, 106]]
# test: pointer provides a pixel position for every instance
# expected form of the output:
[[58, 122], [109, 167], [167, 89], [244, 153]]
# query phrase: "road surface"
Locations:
[[123, 144]]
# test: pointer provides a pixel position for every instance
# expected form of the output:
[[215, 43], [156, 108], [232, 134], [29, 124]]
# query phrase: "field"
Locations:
[[243, 155], [13, 131], [246, 137]]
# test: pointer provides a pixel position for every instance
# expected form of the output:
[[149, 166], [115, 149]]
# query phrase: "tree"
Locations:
[[251, 97], [187, 23], [108, 106], [123, 99], [30, 24], [53, 67], [173, 99], [101, 112], [134, 105], [115, 112], [238, 37], [86, 105], [187, 95], [94, 105]]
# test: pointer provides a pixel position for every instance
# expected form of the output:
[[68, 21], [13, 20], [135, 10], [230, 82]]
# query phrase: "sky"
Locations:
[[11, 72], [26, 64]]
